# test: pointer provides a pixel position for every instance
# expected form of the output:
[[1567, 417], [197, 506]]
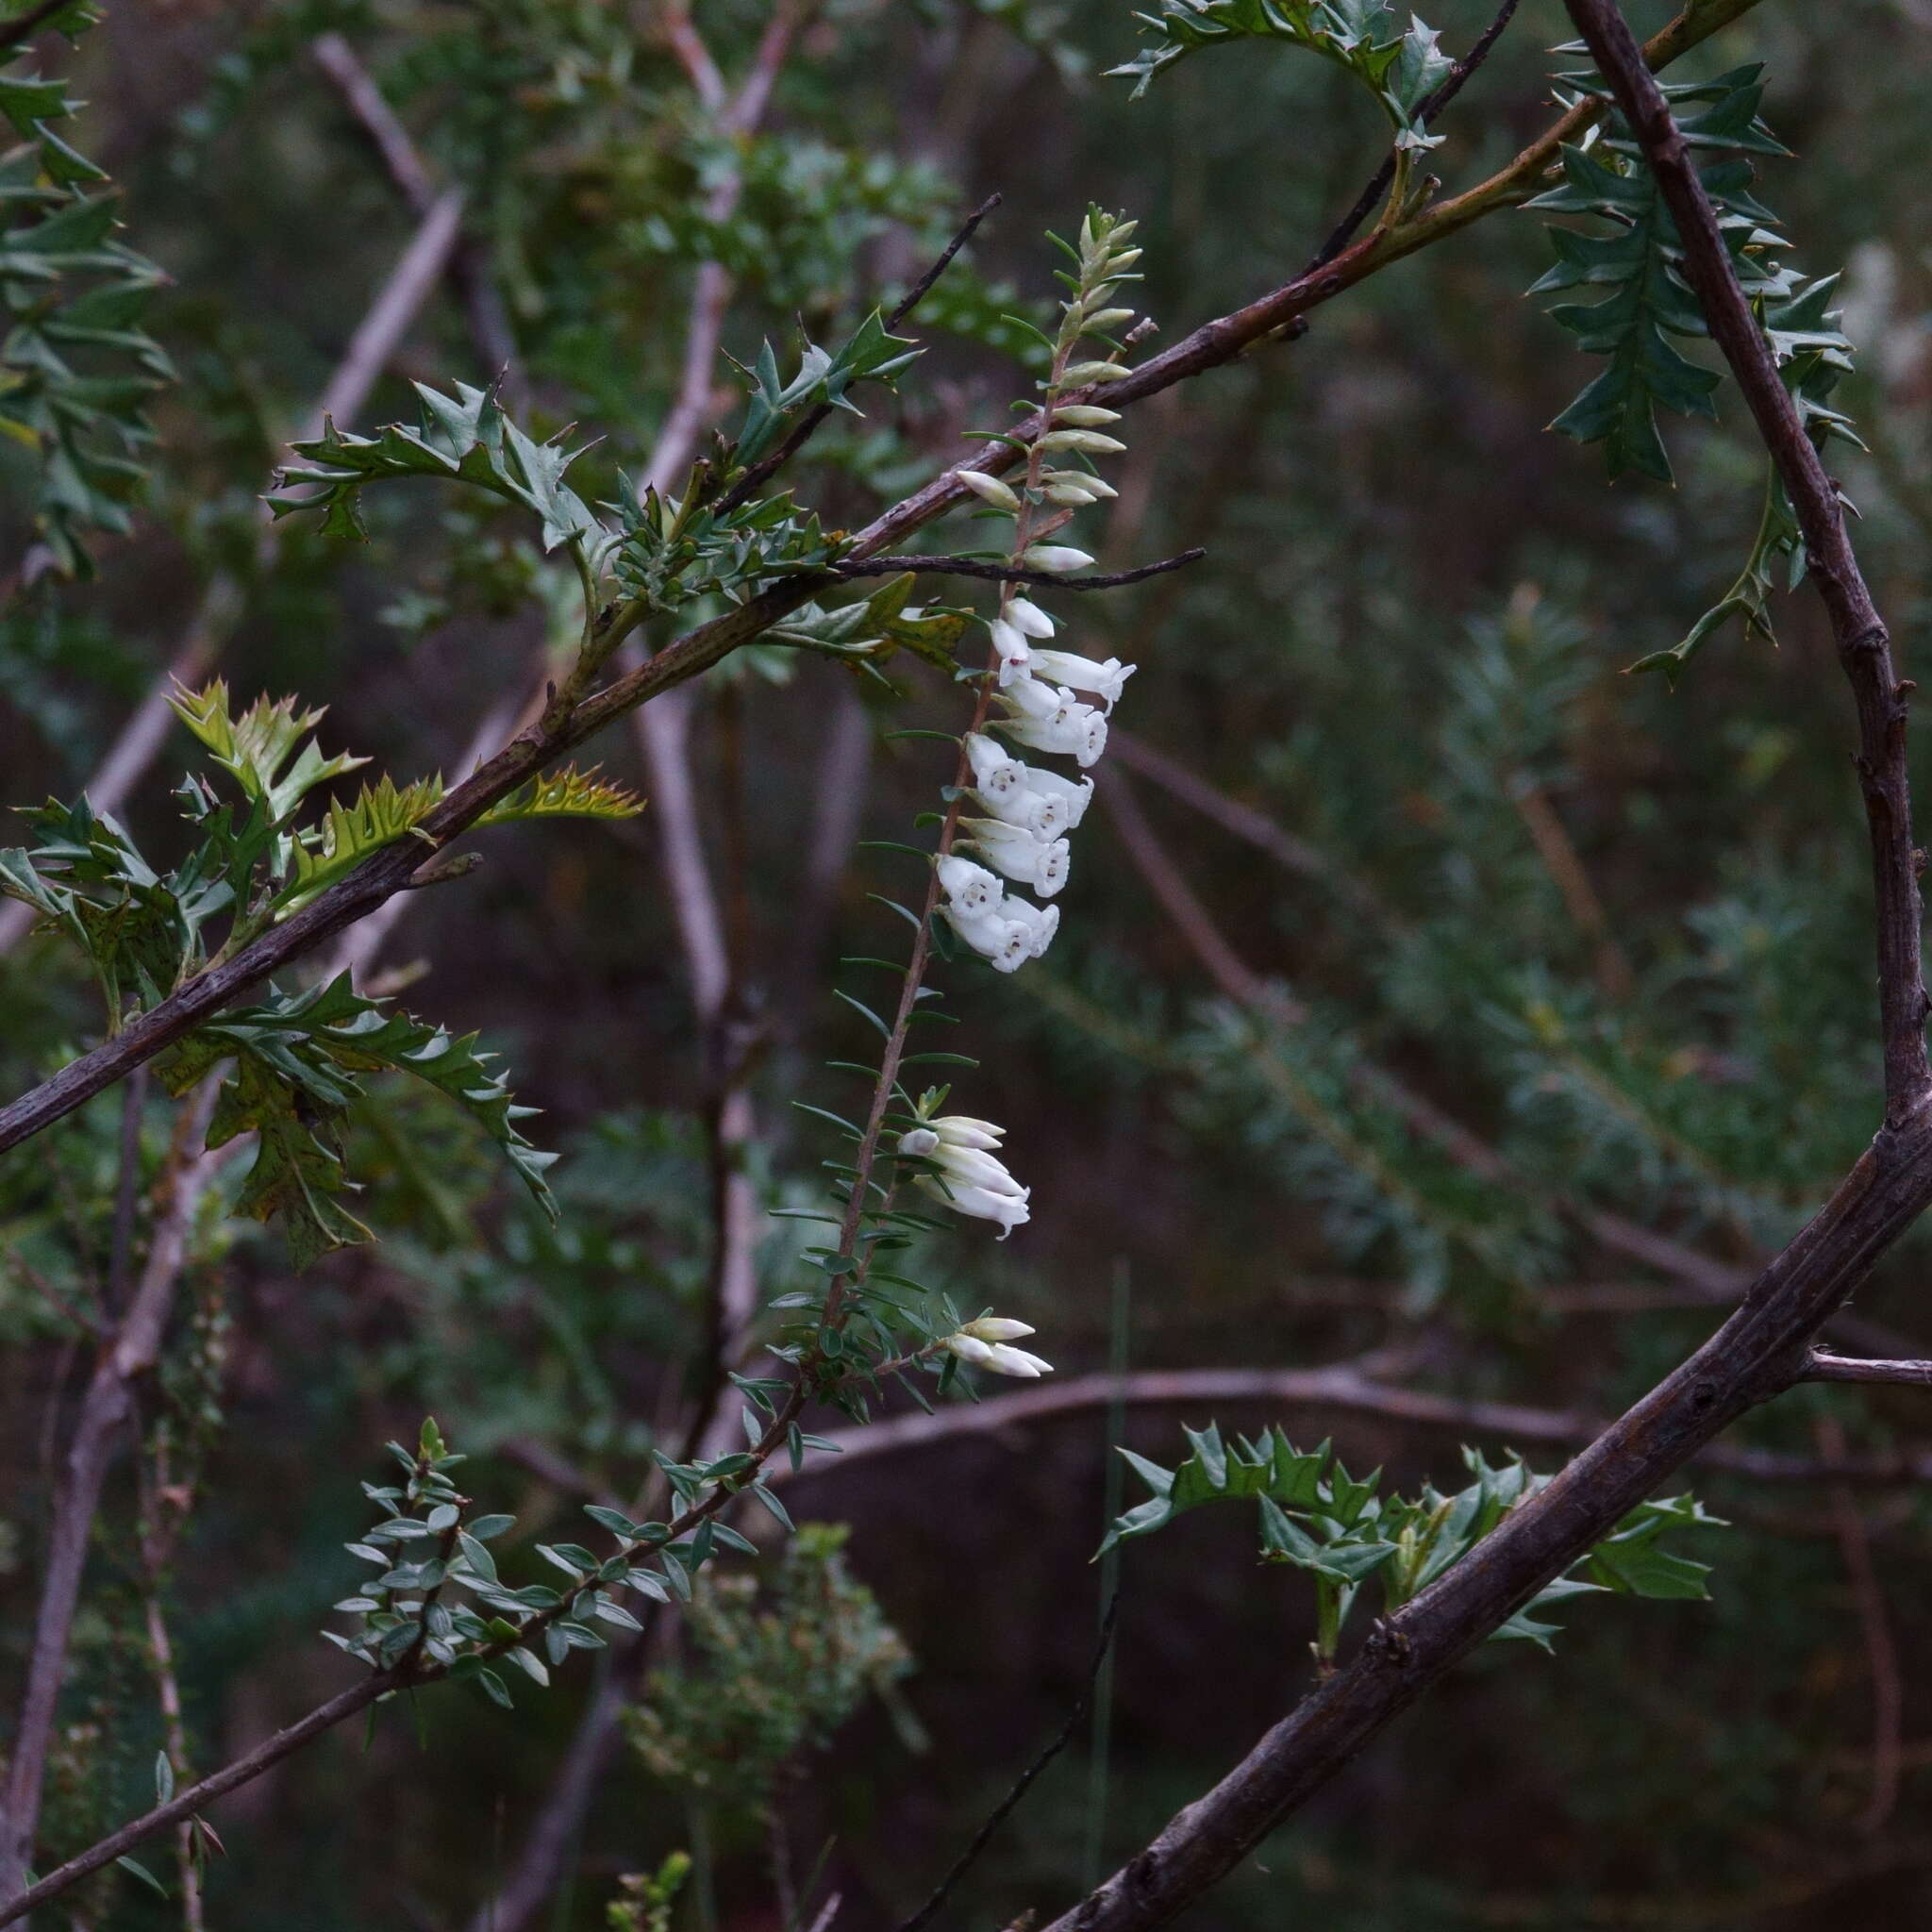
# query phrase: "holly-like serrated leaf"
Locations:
[[257, 748], [564, 794], [461, 438], [297, 1067]]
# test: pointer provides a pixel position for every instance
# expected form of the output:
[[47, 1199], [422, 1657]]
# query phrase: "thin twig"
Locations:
[[123, 1360], [1001, 1811], [998, 573], [471, 270], [1371, 197], [1823, 1367], [807, 425]]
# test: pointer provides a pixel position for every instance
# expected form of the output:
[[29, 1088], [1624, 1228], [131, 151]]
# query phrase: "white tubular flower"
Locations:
[[1015, 852], [988, 488], [1009, 1210], [1077, 796], [1004, 942], [1009, 644], [970, 1180], [1027, 697], [1035, 813], [972, 891], [1041, 922], [1105, 680], [1070, 727], [1025, 615], [996, 777], [1058, 559], [969, 1348]]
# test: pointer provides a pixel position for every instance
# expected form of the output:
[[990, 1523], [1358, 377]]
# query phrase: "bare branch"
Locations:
[[1821, 1367], [125, 1361], [1005, 573], [1001, 1811], [1764, 1346], [1371, 197], [1177, 899], [470, 268], [1863, 644]]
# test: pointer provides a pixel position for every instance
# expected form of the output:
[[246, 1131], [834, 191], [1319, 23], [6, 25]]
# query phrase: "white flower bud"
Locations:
[[1057, 557], [1009, 644], [1076, 486], [988, 488], [1092, 440], [965, 1130], [917, 1142], [1024, 614], [1093, 372], [1003, 1360], [998, 1328], [1085, 415], [969, 1348], [1028, 696], [1109, 318]]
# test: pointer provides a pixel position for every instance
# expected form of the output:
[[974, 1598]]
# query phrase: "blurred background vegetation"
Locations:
[[1453, 860]]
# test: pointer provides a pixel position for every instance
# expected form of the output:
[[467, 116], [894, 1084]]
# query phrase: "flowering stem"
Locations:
[[1024, 534]]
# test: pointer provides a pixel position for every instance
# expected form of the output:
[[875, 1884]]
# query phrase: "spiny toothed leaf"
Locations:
[[465, 437], [297, 1066], [378, 816], [257, 747], [1400, 66], [566, 794]]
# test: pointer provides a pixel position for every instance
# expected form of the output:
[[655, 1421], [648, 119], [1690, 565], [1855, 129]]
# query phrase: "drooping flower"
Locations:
[[972, 891], [1077, 794], [1056, 723], [1041, 922], [1004, 942], [1014, 851], [1107, 681]]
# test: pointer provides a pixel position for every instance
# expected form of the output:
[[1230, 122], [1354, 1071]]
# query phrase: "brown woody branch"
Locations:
[[1765, 1345], [1005, 573], [387, 873]]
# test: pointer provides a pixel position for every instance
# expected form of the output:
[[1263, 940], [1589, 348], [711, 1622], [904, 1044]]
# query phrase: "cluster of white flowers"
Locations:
[[1015, 816], [1049, 701], [986, 1343], [967, 1174]]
